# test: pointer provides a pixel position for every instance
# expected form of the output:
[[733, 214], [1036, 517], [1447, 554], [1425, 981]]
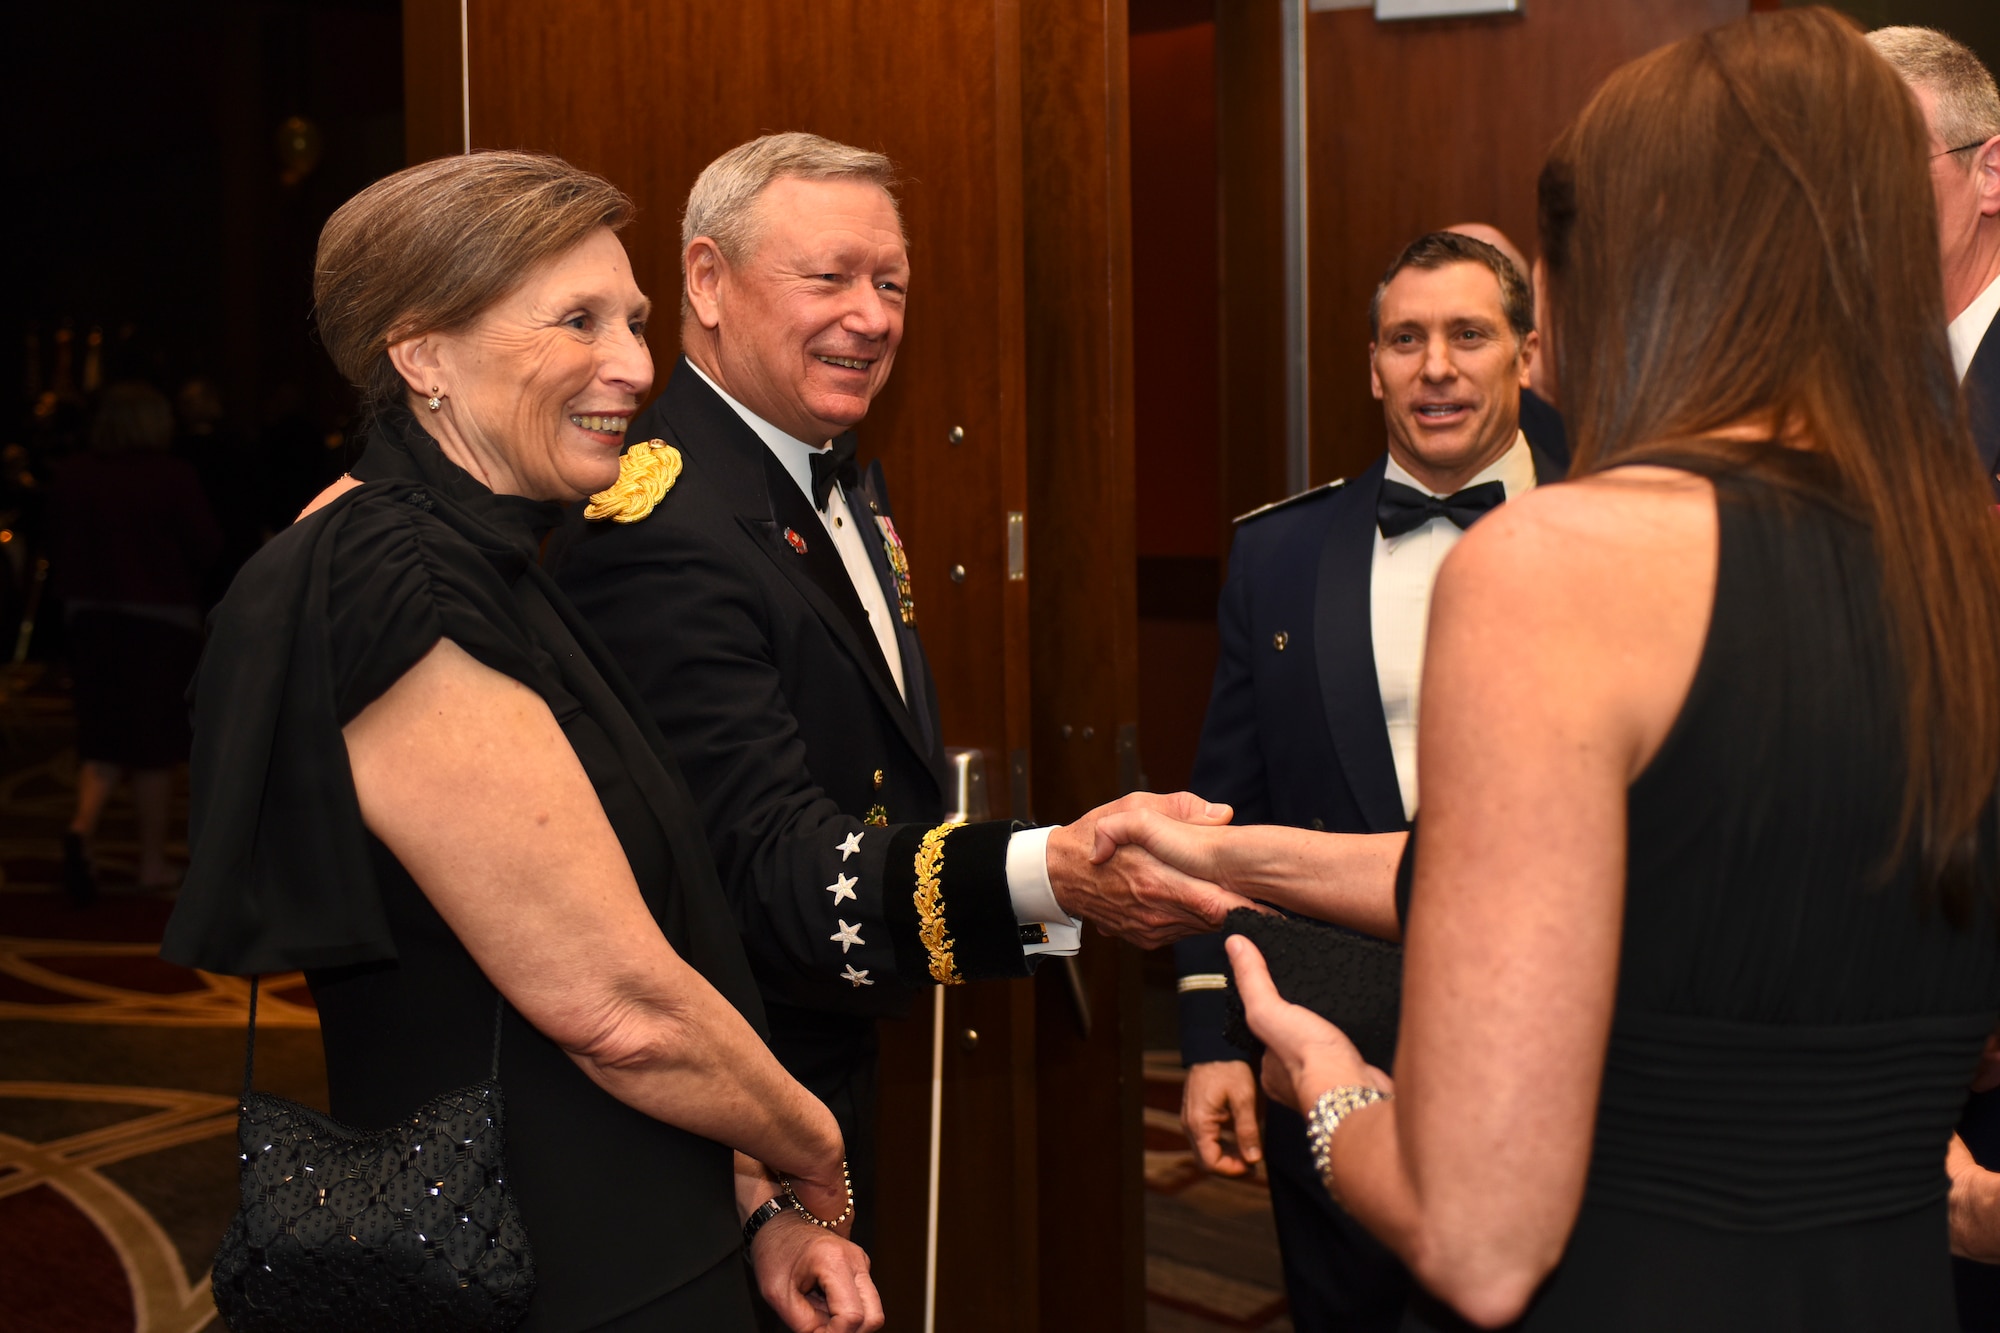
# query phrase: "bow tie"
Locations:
[[1405, 508], [832, 464]]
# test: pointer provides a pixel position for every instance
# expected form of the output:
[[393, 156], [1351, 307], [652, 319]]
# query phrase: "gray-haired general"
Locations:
[[1961, 108], [758, 592]]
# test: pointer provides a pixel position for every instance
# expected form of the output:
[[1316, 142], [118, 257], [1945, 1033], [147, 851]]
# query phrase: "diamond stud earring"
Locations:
[[435, 402]]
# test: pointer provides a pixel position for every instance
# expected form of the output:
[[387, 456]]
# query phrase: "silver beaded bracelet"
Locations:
[[1335, 1105]]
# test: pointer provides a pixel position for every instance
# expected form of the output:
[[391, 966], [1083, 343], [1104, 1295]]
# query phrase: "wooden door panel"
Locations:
[[647, 94]]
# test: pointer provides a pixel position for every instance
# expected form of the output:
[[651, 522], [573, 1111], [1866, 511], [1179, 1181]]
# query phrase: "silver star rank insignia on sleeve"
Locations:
[[849, 847], [858, 977], [847, 936], [842, 887]]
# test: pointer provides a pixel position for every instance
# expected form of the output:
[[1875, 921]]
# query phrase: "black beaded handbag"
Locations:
[[374, 1231], [1353, 981]]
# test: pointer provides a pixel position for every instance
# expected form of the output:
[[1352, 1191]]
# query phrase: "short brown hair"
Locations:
[[1968, 103], [1440, 249], [430, 248], [1739, 224]]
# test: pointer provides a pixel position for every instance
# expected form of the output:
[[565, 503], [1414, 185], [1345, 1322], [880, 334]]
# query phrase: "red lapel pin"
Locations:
[[798, 542]]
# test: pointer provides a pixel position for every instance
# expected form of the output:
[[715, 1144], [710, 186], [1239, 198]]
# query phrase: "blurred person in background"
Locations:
[[131, 539], [227, 469]]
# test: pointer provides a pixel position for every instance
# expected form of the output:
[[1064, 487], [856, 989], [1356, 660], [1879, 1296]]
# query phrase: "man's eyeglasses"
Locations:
[[1962, 148]]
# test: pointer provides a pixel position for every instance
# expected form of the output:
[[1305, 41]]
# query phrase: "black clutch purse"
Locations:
[[1353, 981], [357, 1231]]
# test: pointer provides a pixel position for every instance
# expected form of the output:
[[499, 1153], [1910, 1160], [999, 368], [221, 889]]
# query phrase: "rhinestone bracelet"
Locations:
[[1335, 1105], [847, 1183]]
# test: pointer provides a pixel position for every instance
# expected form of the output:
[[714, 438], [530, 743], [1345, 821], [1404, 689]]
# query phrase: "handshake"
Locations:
[[1145, 868]]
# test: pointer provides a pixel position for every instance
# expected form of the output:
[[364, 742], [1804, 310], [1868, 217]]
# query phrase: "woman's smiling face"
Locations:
[[539, 390]]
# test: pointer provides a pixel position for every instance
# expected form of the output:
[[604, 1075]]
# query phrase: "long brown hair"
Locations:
[[1740, 224]]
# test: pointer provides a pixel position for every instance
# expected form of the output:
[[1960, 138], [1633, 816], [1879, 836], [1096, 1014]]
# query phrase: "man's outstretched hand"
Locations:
[[1132, 894]]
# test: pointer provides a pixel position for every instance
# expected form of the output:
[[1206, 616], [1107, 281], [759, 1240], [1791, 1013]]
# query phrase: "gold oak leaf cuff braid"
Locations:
[[929, 899], [645, 474]]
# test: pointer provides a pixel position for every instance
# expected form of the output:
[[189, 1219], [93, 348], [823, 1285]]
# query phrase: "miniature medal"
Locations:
[[899, 565]]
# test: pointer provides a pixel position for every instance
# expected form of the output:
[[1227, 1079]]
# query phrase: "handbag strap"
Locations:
[[250, 1045]]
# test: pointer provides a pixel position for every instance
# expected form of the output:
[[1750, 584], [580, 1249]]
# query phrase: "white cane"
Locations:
[[937, 1135], [969, 768]]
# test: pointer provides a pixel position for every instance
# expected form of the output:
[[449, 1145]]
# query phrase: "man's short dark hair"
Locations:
[[1440, 249]]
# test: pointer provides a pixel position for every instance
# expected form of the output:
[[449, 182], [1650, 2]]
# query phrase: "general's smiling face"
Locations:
[[544, 382], [1449, 370], [808, 322]]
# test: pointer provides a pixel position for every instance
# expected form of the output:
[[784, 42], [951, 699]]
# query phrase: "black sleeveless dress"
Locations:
[[633, 1222], [1794, 1033]]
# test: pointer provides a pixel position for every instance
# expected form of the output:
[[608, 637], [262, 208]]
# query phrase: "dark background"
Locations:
[[158, 205]]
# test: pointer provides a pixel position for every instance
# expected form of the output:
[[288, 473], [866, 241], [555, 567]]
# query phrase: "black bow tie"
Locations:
[[835, 463], [1405, 508]]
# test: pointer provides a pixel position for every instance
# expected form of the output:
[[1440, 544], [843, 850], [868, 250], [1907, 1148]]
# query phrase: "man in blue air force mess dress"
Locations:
[[1312, 719]]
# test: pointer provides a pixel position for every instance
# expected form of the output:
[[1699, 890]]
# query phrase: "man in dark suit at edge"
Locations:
[[1961, 107], [1312, 719], [764, 608]]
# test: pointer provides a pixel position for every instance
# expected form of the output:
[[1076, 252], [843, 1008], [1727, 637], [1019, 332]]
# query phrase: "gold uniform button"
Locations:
[[1280, 639], [878, 779]]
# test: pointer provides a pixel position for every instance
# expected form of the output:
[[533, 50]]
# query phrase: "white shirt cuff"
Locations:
[[1034, 898]]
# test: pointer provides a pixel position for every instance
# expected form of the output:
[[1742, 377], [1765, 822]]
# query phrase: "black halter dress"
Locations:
[[633, 1222], [1794, 1032]]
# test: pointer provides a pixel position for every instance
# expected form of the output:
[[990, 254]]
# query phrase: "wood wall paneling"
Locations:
[[1250, 184], [1414, 126], [1076, 164], [433, 124], [1175, 217], [1176, 374]]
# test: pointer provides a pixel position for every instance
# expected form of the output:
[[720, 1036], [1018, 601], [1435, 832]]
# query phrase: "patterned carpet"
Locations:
[[1211, 1250], [119, 1074]]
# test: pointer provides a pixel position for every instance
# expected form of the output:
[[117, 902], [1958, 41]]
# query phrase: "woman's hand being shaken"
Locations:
[[816, 1281], [1130, 894]]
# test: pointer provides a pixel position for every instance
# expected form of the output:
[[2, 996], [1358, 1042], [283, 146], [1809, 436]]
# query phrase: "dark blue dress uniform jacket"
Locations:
[[1295, 732]]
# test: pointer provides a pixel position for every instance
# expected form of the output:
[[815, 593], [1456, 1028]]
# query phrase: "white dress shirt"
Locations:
[[1028, 885], [838, 520], [1969, 329], [1399, 605]]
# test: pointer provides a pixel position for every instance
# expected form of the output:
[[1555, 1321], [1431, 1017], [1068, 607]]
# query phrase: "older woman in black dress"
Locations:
[[416, 776]]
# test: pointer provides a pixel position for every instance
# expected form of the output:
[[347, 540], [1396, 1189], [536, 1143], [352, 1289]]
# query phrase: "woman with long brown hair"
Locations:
[[1700, 942]]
